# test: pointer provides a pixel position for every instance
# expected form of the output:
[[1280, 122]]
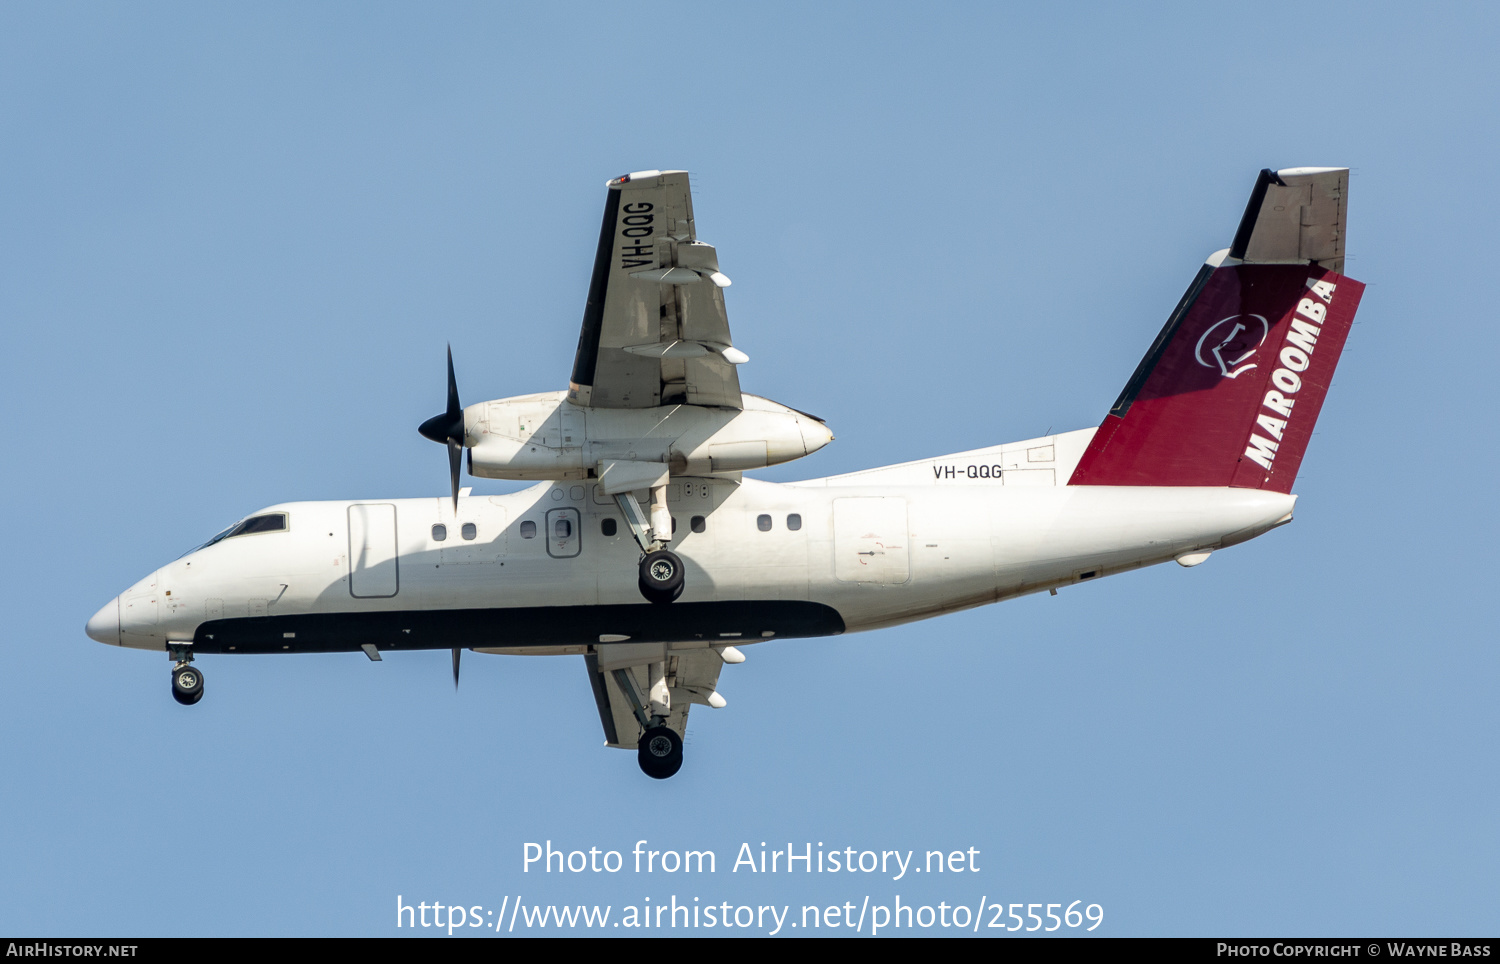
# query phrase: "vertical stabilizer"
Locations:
[[1230, 390]]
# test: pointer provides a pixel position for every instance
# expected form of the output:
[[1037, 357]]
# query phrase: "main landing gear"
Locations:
[[661, 578], [660, 752], [187, 682]]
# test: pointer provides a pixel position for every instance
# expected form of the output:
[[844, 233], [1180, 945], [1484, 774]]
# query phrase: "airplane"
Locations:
[[645, 550]]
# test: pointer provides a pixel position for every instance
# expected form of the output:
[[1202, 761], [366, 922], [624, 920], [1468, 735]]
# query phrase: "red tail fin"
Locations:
[[1229, 393]]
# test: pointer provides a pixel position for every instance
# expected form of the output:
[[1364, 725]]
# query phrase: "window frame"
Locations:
[[233, 531]]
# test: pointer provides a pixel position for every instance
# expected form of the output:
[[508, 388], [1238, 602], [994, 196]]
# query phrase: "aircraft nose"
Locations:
[[104, 626]]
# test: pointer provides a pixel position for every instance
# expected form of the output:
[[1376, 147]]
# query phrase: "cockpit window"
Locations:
[[273, 522], [259, 523]]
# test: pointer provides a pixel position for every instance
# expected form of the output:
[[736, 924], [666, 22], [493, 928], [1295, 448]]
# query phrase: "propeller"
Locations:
[[456, 652], [448, 428]]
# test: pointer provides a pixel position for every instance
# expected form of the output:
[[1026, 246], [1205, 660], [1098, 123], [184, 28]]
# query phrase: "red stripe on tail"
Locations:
[[1230, 392]]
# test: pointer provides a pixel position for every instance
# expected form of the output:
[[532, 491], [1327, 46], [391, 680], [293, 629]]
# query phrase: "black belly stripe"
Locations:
[[534, 626]]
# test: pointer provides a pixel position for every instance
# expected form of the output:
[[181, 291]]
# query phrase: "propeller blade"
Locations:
[[455, 410], [456, 652], [448, 429], [455, 459]]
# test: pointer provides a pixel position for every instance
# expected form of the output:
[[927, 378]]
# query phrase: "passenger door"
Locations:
[[372, 551]]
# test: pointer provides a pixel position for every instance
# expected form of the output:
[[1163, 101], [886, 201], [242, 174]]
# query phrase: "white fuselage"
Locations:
[[539, 574]]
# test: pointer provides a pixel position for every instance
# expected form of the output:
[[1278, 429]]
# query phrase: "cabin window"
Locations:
[[562, 528], [528, 530], [439, 532], [697, 523], [794, 521], [607, 527], [469, 531], [763, 523]]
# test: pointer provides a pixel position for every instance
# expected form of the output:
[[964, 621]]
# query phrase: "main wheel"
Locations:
[[660, 752], [661, 576], [187, 685]]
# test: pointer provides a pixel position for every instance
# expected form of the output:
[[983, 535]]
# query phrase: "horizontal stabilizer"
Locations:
[[1295, 216]]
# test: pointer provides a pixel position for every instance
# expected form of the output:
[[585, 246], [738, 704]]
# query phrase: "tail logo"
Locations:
[[1231, 342]]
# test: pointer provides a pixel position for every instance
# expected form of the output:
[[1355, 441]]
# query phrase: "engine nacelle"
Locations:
[[544, 436]]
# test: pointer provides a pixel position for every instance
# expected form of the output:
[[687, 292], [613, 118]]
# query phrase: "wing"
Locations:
[[692, 675], [654, 327]]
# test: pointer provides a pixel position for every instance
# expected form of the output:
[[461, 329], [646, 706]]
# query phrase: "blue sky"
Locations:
[[237, 237]]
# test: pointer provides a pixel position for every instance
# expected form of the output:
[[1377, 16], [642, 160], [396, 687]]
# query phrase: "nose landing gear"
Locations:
[[187, 682]]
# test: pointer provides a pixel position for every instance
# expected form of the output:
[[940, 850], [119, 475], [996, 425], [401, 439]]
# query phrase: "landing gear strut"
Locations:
[[187, 682], [659, 751], [661, 578]]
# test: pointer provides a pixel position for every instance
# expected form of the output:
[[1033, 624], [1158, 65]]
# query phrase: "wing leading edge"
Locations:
[[655, 331]]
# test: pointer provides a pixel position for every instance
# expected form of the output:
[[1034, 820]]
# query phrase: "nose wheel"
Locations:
[[660, 752], [187, 682]]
